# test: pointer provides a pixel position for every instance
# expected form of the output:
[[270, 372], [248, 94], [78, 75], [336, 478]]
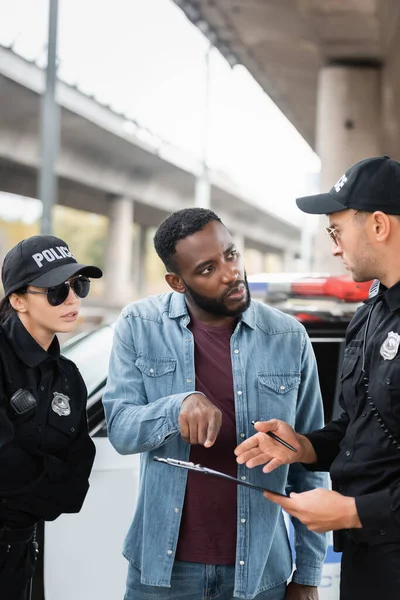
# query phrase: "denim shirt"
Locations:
[[275, 376]]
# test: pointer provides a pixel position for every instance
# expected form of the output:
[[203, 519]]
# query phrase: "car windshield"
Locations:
[[91, 353]]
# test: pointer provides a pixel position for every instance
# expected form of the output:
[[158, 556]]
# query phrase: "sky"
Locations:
[[144, 59]]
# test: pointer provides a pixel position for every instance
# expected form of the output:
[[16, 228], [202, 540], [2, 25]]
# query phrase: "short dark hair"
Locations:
[[178, 226]]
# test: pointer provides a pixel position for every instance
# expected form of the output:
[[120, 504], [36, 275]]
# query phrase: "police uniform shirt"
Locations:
[[45, 457], [362, 448]]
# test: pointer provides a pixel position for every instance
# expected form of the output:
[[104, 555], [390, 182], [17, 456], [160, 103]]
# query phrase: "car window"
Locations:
[[91, 353]]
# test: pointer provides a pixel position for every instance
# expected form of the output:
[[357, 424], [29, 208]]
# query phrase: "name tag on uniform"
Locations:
[[61, 404], [390, 346]]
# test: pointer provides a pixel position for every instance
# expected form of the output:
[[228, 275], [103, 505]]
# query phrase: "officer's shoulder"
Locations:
[[272, 321], [68, 364]]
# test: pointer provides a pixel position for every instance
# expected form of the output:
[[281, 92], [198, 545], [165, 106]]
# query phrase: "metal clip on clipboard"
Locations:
[[190, 466]]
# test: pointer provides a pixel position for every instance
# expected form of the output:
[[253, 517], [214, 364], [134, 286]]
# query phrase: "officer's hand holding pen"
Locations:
[[261, 449]]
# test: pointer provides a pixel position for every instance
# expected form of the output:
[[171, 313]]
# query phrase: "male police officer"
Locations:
[[361, 448]]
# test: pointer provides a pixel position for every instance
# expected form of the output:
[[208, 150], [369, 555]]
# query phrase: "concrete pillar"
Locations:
[[273, 262], [349, 122], [289, 262], [139, 260], [118, 271]]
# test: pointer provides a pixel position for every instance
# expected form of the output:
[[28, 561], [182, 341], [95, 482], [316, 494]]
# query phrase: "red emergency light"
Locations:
[[341, 287]]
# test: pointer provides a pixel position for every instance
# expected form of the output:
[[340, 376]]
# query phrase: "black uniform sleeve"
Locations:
[[18, 469], [326, 442], [64, 486], [380, 510]]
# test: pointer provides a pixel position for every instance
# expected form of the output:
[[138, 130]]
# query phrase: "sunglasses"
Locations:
[[334, 232], [59, 293]]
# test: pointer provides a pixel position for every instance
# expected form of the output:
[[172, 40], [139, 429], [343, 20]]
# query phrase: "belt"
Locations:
[[16, 536]]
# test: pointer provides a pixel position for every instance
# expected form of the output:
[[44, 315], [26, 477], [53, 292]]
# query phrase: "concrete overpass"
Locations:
[[332, 66], [111, 166]]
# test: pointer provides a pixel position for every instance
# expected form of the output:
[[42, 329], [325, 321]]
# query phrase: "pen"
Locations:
[[278, 439]]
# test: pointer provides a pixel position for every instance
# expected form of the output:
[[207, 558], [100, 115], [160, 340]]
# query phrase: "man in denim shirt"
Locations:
[[189, 371]]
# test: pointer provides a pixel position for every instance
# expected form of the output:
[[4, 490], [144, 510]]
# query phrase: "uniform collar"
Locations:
[[390, 295], [178, 308], [25, 346]]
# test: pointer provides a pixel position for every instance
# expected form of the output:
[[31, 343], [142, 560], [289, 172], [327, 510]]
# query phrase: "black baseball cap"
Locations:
[[369, 185], [43, 261]]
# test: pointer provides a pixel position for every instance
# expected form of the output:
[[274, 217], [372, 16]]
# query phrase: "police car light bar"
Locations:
[[339, 287]]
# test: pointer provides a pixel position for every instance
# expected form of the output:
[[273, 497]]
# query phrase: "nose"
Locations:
[[71, 298], [336, 250], [230, 275]]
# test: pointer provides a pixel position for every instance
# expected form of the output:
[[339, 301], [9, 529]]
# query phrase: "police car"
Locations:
[[81, 556]]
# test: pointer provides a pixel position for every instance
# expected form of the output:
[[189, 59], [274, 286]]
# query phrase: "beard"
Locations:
[[217, 306]]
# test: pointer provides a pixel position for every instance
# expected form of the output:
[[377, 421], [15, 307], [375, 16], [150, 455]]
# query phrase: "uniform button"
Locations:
[[241, 563], [236, 351], [240, 393], [151, 370], [388, 381], [39, 428], [348, 452], [282, 387], [176, 510], [243, 520], [42, 387], [242, 435], [364, 414], [4, 500], [243, 478], [67, 387], [72, 429], [383, 532], [188, 381], [169, 552]]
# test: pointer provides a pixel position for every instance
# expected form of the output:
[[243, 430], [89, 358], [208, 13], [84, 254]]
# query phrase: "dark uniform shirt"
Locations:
[[45, 457], [362, 448]]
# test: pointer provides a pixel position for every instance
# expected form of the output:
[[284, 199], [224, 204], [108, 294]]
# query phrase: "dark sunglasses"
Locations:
[[59, 293]]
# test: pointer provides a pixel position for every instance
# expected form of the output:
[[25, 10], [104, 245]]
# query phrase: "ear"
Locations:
[[381, 225], [175, 282], [18, 303]]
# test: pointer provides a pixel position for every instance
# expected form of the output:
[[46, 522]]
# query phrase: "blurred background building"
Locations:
[[164, 105]]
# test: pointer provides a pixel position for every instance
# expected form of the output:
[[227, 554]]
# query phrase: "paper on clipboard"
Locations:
[[190, 466]]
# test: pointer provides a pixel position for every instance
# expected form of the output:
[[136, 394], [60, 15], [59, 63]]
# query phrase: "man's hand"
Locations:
[[320, 510], [199, 420], [261, 449], [296, 591]]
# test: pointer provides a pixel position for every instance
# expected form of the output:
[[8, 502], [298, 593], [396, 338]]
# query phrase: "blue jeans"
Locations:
[[193, 581]]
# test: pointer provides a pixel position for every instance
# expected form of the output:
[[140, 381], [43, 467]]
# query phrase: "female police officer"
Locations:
[[46, 453]]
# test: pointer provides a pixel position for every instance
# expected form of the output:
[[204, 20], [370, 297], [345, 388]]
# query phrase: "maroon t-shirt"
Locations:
[[208, 527]]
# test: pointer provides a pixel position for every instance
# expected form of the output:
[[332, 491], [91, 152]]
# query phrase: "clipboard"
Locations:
[[190, 466]]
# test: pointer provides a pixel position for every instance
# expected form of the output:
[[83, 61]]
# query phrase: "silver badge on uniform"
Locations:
[[390, 346], [60, 404]]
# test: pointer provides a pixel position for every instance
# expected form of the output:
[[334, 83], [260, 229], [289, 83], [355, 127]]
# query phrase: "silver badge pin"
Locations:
[[60, 404], [390, 346]]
